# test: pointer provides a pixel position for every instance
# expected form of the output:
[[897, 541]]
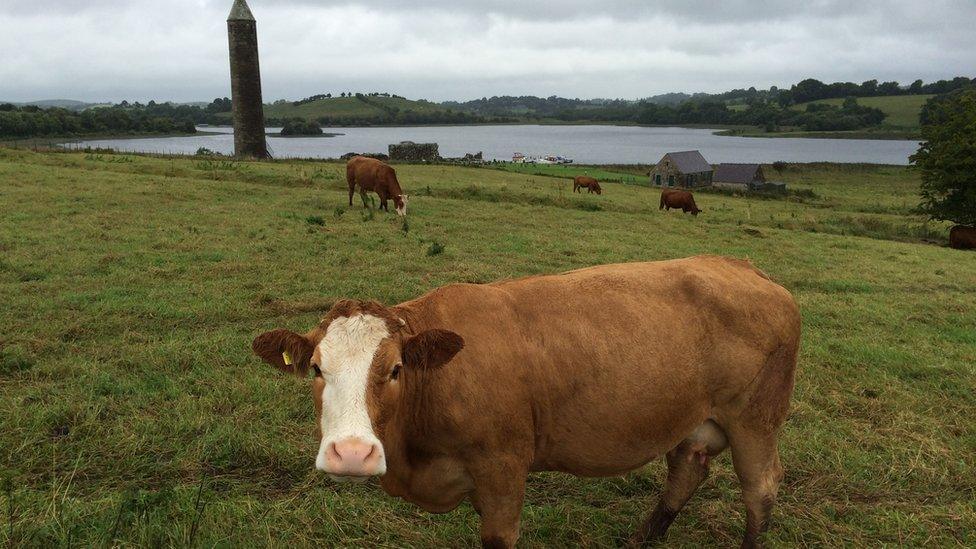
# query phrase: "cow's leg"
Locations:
[[498, 498], [687, 469], [757, 464], [351, 180]]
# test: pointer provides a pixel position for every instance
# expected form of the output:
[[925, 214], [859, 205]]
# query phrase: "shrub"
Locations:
[[436, 248], [298, 126], [947, 158]]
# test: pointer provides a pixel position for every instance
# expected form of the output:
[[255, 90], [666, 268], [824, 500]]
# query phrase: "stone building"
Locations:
[[686, 169], [739, 176], [408, 151], [245, 83]]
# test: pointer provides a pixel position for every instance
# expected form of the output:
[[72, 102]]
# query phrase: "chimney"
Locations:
[[245, 83]]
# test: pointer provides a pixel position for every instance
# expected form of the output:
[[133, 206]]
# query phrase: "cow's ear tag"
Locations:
[[287, 357]]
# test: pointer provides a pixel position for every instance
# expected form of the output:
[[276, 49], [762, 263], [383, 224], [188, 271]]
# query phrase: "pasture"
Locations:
[[132, 412], [903, 110]]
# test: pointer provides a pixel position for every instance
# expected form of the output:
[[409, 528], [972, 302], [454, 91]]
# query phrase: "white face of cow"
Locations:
[[363, 363], [402, 210], [349, 447]]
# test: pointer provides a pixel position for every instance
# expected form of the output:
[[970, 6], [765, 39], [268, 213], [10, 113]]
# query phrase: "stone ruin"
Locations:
[[408, 151]]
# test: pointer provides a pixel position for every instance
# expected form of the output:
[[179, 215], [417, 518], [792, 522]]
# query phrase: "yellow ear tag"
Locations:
[[287, 357]]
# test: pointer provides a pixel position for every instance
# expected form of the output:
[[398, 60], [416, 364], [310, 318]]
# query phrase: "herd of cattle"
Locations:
[[372, 175]]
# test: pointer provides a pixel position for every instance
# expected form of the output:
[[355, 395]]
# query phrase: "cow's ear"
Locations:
[[285, 350], [431, 349]]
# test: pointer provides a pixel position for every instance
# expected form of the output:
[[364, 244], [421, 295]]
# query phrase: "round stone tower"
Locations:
[[245, 83]]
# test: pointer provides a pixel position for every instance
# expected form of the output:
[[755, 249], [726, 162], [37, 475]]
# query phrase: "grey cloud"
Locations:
[[444, 49]]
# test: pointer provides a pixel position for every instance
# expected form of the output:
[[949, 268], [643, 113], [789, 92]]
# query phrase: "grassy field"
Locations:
[[902, 110], [902, 123], [349, 107], [132, 413]]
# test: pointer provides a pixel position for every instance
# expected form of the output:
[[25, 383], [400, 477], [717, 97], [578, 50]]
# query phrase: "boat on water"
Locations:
[[519, 158]]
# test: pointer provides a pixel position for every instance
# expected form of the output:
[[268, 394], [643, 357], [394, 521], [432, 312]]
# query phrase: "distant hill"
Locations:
[[377, 109], [530, 106], [903, 110], [69, 104], [673, 99]]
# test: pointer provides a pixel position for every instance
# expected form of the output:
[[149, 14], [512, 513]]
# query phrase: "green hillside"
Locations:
[[358, 109], [902, 110]]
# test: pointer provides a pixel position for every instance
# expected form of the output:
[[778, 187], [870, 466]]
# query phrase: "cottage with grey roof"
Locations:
[[739, 176], [686, 169]]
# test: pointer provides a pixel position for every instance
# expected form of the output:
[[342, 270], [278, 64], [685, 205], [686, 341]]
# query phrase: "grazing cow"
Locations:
[[683, 200], [591, 185], [463, 392], [375, 176], [962, 237]]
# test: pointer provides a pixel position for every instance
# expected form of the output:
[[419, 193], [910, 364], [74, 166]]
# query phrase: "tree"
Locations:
[[869, 88], [889, 88], [947, 158]]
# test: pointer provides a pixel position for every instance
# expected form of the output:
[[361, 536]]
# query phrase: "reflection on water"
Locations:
[[584, 144]]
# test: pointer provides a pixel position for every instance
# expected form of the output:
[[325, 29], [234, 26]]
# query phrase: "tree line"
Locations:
[[814, 90], [122, 119], [769, 108]]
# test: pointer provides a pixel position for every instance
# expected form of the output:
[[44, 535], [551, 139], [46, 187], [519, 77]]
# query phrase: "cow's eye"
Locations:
[[318, 371], [395, 374]]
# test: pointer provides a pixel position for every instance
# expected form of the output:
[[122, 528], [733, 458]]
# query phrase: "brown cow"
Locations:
[[372, 175], [583, 182], [962, 237], [683, 200], [463, 392]]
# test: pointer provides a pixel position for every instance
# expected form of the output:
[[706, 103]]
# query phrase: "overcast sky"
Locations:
[[109, 50]]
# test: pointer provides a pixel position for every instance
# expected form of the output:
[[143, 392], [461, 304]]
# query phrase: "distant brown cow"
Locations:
[[461, 393], [679, 200], [962, 237], [591, 185], [371, 175]]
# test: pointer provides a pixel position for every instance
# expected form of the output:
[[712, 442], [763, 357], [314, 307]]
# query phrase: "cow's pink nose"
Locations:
[[353, 457]]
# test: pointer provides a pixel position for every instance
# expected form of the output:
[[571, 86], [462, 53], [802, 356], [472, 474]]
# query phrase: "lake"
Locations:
[[584, 144]]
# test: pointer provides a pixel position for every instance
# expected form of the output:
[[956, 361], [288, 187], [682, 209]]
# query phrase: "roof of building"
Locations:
[[735, 173], [690, 162], [240, 12]]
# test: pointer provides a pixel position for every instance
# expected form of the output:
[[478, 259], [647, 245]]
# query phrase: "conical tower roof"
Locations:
[[240, 12]]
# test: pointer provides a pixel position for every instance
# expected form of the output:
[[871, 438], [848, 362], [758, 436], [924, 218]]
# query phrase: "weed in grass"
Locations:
[[405, 226], [7, 482], [199, 505], [317, 220], [368, 215], [436, 248], [589, 206], [338, 212]]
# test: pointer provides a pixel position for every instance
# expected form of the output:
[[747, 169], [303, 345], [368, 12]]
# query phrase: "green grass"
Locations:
[[132, 413], [350, 107], [903, 110]]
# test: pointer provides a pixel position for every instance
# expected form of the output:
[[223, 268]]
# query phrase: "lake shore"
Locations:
[[59, 141], [879, 135]]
